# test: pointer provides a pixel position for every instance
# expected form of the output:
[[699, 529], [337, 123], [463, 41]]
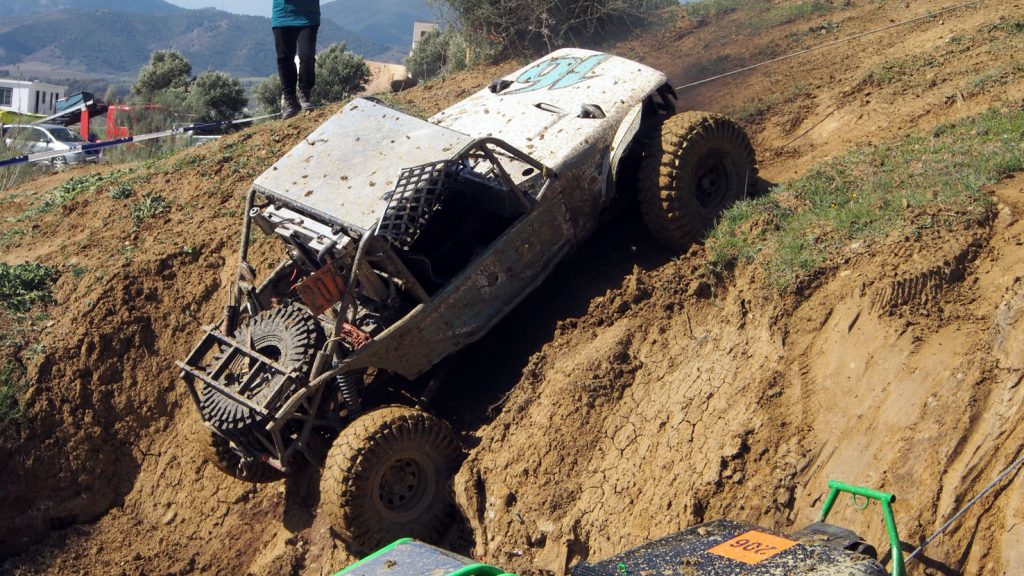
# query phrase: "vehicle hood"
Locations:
[[342, 172], [538, 111]]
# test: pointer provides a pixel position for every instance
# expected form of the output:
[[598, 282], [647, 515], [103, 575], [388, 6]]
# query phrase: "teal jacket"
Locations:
[[295, 13]]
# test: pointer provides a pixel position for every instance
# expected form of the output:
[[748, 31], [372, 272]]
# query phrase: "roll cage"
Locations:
[[488, 180]]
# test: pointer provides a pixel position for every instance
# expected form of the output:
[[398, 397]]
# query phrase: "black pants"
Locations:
[[289, 41]]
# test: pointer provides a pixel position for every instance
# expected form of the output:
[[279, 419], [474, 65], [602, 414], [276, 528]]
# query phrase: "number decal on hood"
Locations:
[[558, 73]]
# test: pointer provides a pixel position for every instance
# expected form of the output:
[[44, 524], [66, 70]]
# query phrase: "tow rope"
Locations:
[[89, 146]]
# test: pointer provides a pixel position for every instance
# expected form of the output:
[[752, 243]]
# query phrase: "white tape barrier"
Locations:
[[89, 147]]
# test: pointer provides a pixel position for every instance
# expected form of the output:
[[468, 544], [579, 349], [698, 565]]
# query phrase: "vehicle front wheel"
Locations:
[[59, 163], [698, 167], [388, 476]]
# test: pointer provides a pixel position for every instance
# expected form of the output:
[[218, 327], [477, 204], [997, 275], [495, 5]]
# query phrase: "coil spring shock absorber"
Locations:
[[348, 385]]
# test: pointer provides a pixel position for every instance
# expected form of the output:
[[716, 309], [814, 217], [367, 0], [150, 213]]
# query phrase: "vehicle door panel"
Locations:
[[40, 141], [510, 268]]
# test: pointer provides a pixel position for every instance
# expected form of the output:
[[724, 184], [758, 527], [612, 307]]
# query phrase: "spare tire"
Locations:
[[290, 336], [698, 167]]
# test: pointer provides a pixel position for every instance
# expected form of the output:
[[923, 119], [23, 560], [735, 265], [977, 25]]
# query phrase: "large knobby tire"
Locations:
[[218, 451], [289, 335], [700, 165], [388, 476]]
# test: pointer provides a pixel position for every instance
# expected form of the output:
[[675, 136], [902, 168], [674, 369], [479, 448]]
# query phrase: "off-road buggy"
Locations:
[[718, 548], [406, 240]]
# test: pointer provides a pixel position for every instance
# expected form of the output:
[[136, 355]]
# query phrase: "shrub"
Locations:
[[438, 53], [216, 96], [268, 95], [167, 70], [339, 75], [529, 25]]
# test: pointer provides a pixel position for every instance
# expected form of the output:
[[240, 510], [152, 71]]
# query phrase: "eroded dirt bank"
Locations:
[[666, 406]]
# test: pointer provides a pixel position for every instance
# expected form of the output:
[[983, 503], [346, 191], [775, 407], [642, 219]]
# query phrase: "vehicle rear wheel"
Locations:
[[388, 476], [699, 166]]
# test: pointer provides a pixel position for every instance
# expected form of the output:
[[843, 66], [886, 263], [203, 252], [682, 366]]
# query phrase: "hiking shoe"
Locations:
[[304, 102], [290, 109]]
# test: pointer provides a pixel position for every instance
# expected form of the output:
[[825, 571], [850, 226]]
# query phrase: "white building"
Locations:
[[30, 97], [421, 29]]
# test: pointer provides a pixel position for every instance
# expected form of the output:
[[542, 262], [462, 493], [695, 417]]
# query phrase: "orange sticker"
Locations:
[[752, 547]]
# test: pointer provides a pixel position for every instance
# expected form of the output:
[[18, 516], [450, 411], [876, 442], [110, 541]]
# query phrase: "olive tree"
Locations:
[[168, 70], [339, 74], [216, 96], [268, 95]]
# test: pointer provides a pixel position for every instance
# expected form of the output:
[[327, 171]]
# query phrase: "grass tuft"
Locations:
[[991, 78], [760, 14], [69, 190], [147, 207], [122, 191], [397, 103], [73, 188], [779, 14], [898, 70], [8, 237], [701, 12], [920, 182], [758, 109], [23, 285], [1010, 26]]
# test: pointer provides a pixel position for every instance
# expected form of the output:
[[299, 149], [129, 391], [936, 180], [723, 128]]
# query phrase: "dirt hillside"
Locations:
[[632, 395]]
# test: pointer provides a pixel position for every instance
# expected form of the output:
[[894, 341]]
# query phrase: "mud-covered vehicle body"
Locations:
[[720, 547], [407, 239]]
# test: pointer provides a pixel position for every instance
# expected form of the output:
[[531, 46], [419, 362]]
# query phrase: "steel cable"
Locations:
[[969, 505], [834, 43]]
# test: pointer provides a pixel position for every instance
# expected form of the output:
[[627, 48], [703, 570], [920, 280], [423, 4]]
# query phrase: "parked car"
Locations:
[[37, 138]]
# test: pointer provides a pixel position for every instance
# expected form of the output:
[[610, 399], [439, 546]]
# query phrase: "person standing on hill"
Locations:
[[295, 24]]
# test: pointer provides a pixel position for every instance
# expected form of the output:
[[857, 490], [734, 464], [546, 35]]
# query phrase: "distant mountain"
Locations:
[[118, 43], [18, 8], [384, 21]]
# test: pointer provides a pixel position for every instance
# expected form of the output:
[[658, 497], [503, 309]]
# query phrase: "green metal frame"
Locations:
[[899, 568], [480, 570], [369, 558], [471, 570]]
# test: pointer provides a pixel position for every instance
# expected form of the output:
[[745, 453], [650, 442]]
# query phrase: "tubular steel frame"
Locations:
[[310, 395]]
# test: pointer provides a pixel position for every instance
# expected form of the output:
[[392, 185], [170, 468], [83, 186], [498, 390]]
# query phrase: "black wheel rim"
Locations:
[[713, 181], [404, 488]]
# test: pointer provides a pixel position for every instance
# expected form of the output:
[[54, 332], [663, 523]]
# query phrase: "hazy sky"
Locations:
[[257, 7]]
